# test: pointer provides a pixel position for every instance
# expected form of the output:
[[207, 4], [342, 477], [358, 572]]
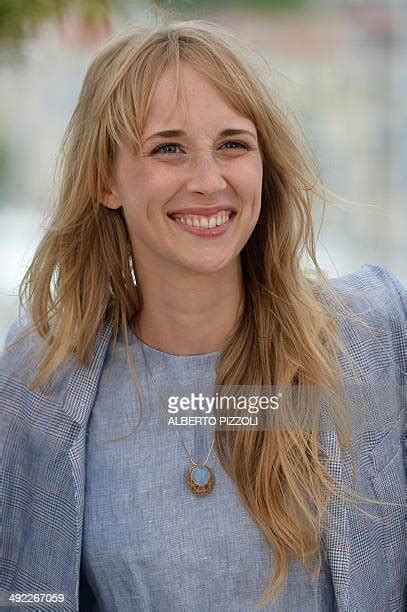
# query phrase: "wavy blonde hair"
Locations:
[[82, 274]]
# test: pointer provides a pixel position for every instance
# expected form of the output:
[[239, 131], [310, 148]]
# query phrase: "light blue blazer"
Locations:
[[42, 449]]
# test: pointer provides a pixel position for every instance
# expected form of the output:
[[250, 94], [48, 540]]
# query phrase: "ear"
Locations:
[[110, 199]]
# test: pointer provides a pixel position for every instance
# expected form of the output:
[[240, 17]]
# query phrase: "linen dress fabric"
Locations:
[[148, 543], [113, 526]]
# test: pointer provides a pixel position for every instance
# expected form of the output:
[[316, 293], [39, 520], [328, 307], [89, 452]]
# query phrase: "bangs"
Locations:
[[128, 106]]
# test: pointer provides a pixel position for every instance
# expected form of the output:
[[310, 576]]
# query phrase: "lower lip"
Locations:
[[211, 232]]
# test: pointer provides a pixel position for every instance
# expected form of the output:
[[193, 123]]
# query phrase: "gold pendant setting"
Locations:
[[200, 479]]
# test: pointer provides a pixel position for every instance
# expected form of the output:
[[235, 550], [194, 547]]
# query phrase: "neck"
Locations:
[[189, 314]]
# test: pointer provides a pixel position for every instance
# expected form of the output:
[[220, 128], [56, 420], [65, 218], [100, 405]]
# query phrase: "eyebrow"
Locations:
[[179, 133]]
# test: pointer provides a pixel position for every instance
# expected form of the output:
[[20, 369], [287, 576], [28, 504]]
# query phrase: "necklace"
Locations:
[[199, 478]]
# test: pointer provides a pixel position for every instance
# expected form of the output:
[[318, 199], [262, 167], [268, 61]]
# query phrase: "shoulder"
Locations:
[[19, 363], [21, 359], [22, 346], [370, 307], [375, 297], [23, 351], [68, 393], [377, 287]]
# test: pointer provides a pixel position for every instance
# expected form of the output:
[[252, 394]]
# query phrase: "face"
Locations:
[[192, 199]]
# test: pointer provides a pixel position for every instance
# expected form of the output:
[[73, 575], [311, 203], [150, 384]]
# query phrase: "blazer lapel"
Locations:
[[336, 531], [78, 403]]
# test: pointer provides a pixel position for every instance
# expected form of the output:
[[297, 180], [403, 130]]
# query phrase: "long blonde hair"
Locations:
[[82, 274]]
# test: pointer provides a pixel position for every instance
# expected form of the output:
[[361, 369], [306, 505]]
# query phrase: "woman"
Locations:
[[173, 260]]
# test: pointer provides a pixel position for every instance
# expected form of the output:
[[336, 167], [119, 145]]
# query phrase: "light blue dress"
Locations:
[[148, 542]]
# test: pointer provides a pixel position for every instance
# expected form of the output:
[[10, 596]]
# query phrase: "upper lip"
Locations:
[[207, 212]]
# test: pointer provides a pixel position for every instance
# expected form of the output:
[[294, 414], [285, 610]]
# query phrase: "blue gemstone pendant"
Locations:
[[200, 479]]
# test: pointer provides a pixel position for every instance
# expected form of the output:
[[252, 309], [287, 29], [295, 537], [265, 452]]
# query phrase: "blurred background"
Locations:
[[340, 66]]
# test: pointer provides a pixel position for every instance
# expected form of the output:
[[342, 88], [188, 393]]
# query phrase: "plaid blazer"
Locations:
[[42, 447]]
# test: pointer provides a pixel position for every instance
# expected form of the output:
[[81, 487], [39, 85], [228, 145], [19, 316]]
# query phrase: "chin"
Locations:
[[210, 266]]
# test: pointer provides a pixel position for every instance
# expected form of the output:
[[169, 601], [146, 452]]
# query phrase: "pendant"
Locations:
[[200, 479]]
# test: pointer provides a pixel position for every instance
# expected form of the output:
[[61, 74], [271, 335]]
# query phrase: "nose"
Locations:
[[205, 175]]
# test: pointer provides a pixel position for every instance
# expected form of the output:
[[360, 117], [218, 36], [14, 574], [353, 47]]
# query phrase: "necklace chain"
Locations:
[[163, 404]]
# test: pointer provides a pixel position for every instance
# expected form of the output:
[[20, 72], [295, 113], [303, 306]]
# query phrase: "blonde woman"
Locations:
[[175, 258]]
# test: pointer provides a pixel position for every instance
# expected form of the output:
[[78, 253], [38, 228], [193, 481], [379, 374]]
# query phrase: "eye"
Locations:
[[236, 145], [161, 148]]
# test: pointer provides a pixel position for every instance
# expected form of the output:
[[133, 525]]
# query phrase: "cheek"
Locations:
[[249, 182], [155, 188], [137, 192]]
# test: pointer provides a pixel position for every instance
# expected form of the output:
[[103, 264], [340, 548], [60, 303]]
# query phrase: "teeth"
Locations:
[[204, 222]]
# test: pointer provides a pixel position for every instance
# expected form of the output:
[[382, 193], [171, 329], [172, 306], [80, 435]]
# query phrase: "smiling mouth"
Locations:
[[204, 221], [204, 227]]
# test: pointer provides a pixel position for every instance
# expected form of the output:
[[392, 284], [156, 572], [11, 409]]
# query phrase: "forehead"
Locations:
[[198, 103]]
